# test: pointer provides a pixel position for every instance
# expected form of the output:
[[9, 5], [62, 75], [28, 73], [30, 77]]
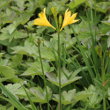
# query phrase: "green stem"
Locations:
[[103, 72], [59, 71], [104, 104], [45, 83], [103, 79]]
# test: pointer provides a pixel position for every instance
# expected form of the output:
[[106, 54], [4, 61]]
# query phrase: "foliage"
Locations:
[[85, 56]]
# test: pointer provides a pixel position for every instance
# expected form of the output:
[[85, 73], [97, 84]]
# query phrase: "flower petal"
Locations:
[[68, 19], [42, 20], [74, 15], [74, 21]]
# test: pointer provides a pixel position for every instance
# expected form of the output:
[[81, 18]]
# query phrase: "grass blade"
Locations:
[[14, 101]]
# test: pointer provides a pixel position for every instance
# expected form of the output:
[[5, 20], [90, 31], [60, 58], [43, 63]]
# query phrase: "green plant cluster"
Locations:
[[85, 56]]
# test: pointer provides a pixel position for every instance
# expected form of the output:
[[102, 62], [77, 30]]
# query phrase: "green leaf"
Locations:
[[11, 108], [71, 97], [104, 29], [12, 98], [1, 54], [16, 89], [67, 97], [102, 6], [2, 107], [16, 61], [4, 36], [75, 3], [28, 49], [32, 104], [35, 69], [91, 3], [8, 73], [108, 42], [107, 22], [95, 97], [47, 54], [10, 33], [108, 93], [39, 94], [66, 77], [4, 3]]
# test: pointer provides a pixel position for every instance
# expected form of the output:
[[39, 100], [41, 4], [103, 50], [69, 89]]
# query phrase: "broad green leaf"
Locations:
[[47, 53], [8, 73], [95, 97], [103, 6], [58, 5], [35, 69], [11, 108], [16, 60], [29, 50], [67, 97], [10, 33], [107, 22], [16, 89], [12, 98], [1, 54], [4, 36], [75, 3], [100, 6], [20, 3], [11, 28], [91, 3], [104, 29], [39, 94], [66, 77], [4, 3], [71, 97], [2, 107]]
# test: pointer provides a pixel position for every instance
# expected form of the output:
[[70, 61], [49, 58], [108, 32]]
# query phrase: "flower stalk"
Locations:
[[59, 70], [43, 21]]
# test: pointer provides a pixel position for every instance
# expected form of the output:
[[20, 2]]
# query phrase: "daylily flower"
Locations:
[[68, 19], [42, 20]]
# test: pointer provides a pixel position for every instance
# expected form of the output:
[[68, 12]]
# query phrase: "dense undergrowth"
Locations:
[[84, 61]]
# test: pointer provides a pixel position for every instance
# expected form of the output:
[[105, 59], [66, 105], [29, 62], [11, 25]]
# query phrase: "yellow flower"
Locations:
[[68, 19], [42, 20]]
